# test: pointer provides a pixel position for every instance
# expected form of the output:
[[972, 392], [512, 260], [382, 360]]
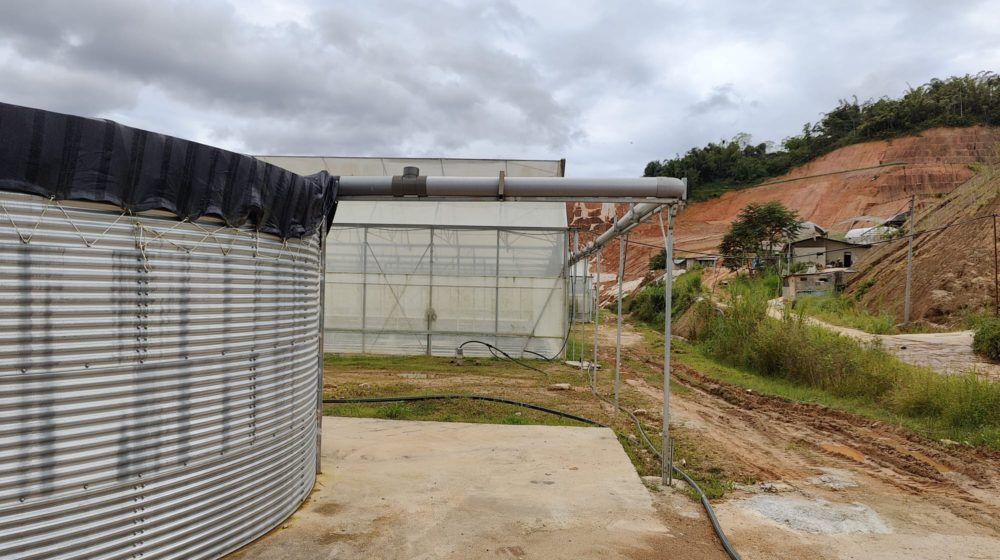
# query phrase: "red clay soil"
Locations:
[[830, 191]]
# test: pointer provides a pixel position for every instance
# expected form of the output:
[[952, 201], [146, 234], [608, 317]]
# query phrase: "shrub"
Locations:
[[658, 261], [647, 305], [986, 341]]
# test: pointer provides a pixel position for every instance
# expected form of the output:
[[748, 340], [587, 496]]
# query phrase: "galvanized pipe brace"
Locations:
[[630, 220]]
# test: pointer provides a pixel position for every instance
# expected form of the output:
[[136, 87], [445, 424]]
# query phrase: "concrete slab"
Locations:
[[435, 490]]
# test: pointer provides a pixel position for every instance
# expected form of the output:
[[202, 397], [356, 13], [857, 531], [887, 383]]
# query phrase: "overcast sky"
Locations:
[[607, 85]]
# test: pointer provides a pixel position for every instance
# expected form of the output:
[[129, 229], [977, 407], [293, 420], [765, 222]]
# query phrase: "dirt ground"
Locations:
[[834, 485], [813, 482]]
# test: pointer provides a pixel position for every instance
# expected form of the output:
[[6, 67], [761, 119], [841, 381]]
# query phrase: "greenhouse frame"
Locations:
[[423, 278]]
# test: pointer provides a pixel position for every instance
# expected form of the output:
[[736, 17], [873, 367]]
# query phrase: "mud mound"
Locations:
[[870, 179]]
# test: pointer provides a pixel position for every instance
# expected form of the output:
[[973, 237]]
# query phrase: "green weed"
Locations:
[[795, 352]]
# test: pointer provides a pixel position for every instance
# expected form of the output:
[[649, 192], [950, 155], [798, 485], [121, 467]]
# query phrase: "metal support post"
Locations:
[[618, 338], [909, 263], [572, 303], [597, 318], [578, 295], [430, 314], [667, 459], [564, 351], [496, 296], [364, 289]]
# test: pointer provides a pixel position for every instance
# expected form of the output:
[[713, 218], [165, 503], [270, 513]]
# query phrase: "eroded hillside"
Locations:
[[953, 263], [870, 179]]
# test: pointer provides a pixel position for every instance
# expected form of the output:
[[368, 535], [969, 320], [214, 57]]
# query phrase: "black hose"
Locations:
[[493, 350], [361, 400], [726, 545], [704, 499], [526, 351]]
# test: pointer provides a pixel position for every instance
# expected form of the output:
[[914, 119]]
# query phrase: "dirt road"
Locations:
[[949, 352], [831, 484]]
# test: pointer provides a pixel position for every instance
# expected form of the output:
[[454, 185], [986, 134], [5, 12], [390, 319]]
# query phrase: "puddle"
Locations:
[[843, 450], [817, 516], [939, 467]]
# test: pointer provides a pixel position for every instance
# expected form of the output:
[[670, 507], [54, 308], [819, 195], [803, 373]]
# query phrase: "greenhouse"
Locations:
[[425, 277]]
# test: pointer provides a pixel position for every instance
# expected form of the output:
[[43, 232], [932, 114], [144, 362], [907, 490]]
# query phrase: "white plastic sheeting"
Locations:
[[418, 290]]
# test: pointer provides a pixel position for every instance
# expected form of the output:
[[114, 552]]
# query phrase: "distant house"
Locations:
[[814, 283], [699, 261], [825, 252]]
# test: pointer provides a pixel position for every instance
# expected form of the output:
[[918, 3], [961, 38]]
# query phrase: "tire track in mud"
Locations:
[[769, 434]]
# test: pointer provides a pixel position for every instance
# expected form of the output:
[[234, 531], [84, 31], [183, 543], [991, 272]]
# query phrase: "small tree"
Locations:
[[658, 261], [757, 232]]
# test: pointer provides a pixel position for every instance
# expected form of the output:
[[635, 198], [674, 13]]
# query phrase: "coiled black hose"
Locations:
[[726, 545]]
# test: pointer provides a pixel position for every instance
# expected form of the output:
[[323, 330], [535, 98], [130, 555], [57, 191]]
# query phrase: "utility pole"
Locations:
[[996, 271], [909, 263]]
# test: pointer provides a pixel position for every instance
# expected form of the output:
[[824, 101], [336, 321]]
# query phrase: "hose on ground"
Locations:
[[494, 350], [726, 545], [363, 400]]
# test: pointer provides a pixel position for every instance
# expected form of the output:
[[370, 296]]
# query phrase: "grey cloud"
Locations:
[[722, 98], [609, 86]]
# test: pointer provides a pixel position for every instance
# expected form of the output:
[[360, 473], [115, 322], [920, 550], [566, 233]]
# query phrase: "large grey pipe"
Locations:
[[412, 186]]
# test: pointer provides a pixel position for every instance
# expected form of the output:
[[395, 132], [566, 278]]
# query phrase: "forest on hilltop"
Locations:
[[738, 163]]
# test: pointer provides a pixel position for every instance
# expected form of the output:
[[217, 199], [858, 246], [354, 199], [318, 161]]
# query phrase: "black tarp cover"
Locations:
[[76, 158]]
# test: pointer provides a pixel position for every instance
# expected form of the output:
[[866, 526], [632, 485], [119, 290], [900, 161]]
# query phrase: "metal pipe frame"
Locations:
[[667, 455], [629, 221], [597, 317]]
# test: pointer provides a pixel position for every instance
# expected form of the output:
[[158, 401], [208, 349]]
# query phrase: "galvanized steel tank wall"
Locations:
[[158, 382]]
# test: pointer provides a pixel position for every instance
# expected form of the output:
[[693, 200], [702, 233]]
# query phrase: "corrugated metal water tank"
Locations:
[[158, 382]]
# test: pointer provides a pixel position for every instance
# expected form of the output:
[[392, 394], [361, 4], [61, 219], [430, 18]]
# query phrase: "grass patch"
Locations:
[[367, 376], [843, 311], [478, 412], [694, 356], [648, 304], [792, 353], [839, 310]]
